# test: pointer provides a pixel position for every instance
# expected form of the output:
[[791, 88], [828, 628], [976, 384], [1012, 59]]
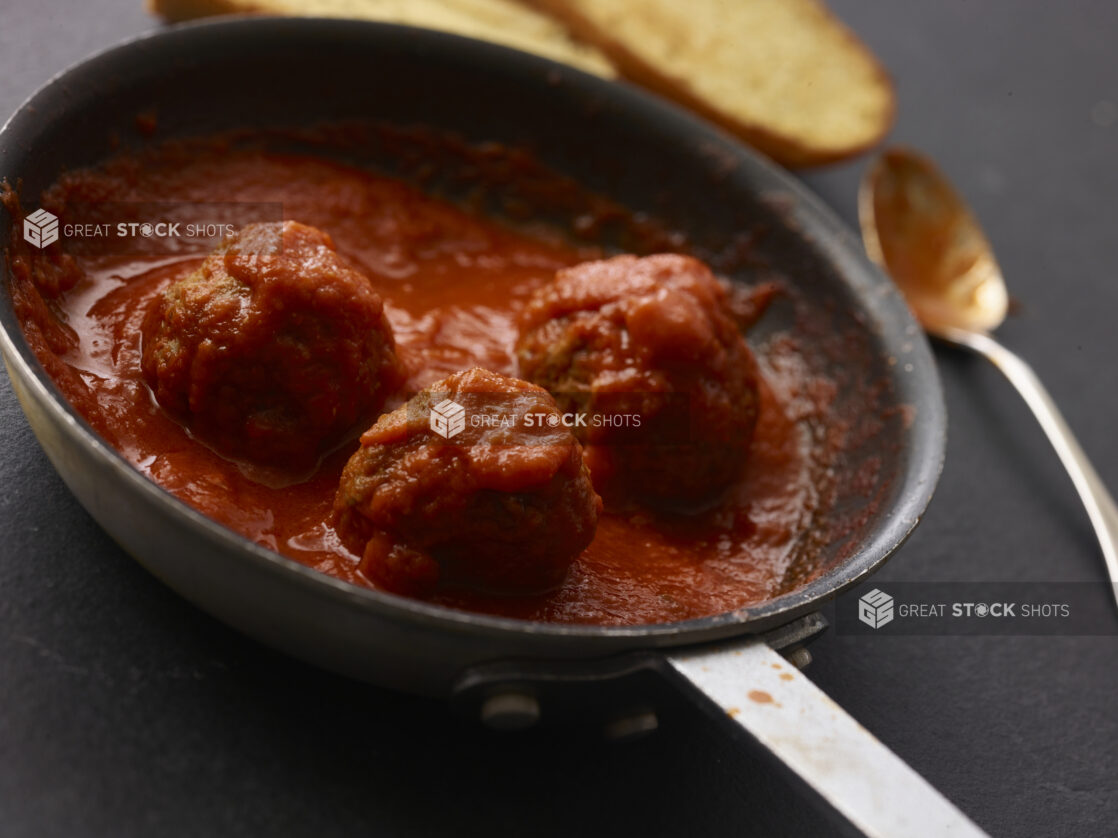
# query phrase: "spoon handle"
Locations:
[[1092, 491]]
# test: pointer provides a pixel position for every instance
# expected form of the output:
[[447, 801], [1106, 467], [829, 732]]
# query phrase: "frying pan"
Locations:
[[649, 157]]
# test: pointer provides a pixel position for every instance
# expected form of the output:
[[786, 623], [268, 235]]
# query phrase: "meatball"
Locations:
[[475, 482], [274, 350], [647, 350]]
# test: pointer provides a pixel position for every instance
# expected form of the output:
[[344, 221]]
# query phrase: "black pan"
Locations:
[[614, 140]]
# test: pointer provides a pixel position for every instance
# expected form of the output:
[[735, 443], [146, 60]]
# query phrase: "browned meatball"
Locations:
[[502, 503], [274, 349], [647, 350]]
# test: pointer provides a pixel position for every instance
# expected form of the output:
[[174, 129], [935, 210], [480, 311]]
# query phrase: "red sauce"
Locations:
[[454, 283]]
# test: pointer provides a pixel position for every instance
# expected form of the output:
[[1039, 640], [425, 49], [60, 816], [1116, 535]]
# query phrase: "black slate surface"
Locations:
[[123, 711]]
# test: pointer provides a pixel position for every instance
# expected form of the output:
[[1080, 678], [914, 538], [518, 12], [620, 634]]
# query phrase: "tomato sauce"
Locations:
[[454, 283]]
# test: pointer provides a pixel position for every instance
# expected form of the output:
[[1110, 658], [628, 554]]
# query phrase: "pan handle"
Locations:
[[751, 687]]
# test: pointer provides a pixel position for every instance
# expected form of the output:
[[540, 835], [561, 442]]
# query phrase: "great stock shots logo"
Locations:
[[981, 608], [448, 419], [875, 609], [40, 228], [169, 225]]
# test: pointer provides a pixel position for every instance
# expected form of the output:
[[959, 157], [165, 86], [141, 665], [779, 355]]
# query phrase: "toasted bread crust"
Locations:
[[783, 147], [504, 22]]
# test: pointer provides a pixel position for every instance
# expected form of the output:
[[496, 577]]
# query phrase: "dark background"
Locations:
[[124, 711]]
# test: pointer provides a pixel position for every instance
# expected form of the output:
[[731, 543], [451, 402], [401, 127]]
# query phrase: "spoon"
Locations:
[[918, 229]]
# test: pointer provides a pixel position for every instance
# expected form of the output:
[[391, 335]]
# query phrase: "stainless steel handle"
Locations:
[[1092, 491], [856, 776]]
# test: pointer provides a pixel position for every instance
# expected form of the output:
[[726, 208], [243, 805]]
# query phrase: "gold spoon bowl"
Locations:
[[920, 231]]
